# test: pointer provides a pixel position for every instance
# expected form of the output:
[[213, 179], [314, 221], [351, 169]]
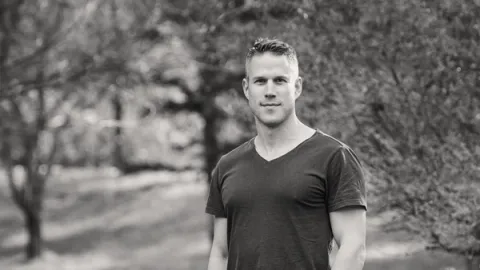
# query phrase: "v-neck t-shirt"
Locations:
[[278, 211]]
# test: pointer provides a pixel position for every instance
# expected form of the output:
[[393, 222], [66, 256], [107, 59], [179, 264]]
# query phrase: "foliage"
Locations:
[[406, 75]]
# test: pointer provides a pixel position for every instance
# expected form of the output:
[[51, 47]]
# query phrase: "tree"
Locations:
[[405, 77], [45, 58], [30, 100]]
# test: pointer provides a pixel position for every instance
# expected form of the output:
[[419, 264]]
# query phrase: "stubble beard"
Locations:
[[286, 115]]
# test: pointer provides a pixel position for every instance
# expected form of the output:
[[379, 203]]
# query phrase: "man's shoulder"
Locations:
[[327, 143], [238, 153], [333, 148]]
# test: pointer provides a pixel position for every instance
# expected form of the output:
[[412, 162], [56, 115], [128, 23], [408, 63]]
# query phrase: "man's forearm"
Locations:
[[350, 257], [217, 262]]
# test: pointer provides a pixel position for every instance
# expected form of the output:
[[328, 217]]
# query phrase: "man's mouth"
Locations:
[[270, 104]]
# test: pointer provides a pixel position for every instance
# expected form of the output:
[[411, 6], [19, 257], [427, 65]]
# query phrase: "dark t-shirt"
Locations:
[[277, 211]]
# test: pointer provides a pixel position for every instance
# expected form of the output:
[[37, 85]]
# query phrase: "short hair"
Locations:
[[275, 46]]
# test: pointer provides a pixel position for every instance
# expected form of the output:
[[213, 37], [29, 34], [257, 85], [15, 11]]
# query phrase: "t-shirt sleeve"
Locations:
[[214, 202], [345, 181]]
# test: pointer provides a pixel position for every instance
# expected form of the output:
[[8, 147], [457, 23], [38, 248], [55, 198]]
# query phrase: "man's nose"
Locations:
[[270, 93]]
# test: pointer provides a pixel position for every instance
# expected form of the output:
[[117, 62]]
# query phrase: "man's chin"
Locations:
[[270, 123]]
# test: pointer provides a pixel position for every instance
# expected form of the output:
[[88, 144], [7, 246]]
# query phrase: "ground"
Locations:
[[153, 221]]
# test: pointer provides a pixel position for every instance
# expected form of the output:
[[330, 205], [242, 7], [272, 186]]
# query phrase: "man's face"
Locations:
[[272, 86]]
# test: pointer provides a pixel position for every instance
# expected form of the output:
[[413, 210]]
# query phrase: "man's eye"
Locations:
[[280, 80], [260, 81]]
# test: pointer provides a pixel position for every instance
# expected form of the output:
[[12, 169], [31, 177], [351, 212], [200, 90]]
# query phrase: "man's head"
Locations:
[[272, 84]]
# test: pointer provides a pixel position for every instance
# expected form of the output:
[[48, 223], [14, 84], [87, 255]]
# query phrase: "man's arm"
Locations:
[[219, 251], [349, 231]]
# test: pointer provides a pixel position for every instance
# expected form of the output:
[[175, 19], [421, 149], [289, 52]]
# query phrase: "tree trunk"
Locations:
[[473, 263], [118, 157], [32, 207], [33, 225], [212, 150]]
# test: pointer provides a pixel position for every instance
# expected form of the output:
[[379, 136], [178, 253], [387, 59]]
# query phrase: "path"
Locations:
[[153, 223]]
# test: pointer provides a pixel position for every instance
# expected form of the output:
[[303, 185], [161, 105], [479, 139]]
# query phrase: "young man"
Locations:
[[280, 199]]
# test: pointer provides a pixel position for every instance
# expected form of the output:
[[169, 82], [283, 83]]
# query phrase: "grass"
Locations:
[[154, 221]]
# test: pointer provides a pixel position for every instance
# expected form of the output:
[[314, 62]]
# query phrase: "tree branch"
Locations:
[[6, 41], [54, 80], [53, 151], [54, 35], [6, 155], [174, 107], [175, 82], [17, 192]]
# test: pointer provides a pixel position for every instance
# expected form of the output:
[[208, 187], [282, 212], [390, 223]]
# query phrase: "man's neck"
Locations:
[[283, 136]]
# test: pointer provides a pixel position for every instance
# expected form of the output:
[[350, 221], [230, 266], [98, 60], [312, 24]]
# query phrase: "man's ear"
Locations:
[[298, 87], [245, 87]]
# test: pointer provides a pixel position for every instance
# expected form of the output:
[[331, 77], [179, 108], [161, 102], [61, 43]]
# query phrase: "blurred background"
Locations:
[[113, 113]]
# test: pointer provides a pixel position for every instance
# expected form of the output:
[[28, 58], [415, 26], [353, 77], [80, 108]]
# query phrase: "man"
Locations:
[[281, 198]]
